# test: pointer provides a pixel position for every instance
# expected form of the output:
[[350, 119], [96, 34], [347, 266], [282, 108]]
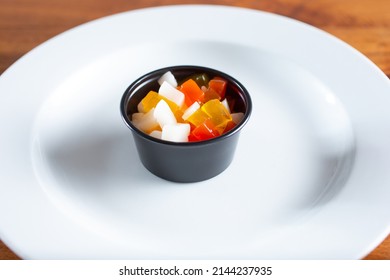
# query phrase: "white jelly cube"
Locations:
[[137, 116], [176, 132], [237, 117], [156, 134], [146, 122], [171, 93], [164, 114], [169, 78], [190, 110], [226, 105]]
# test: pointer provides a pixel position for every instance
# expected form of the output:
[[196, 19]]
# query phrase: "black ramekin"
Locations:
[[187, 161]]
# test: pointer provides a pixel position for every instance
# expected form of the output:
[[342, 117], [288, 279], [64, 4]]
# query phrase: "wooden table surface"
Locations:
[[364, 24]]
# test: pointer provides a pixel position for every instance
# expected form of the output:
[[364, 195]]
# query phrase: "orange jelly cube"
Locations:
[[210, 94], [192, 92]]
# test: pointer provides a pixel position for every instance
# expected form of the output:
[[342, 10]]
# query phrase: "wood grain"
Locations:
[[364, 24]]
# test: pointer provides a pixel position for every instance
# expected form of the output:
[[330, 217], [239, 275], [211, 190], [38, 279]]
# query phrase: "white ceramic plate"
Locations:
[[310, 178]]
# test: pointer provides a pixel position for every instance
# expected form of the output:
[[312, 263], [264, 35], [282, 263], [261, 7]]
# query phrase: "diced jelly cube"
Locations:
[[210, 94], [171, 93], [200, 79], [190, 110], [148, 102], [163, 114], [197, 117], [176, 132], [192, 92], [152, 98], [169, 78], [219, 85], [217, 113], [156, 134], [204, 131], [225, 103], [137, 116], [147, 122], [230, 125], [237, 117]]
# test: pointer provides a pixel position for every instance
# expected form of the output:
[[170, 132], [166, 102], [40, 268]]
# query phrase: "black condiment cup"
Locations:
[[185, 161]]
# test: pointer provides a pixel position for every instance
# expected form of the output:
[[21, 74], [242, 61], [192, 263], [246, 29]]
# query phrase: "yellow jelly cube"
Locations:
[[148, 102], [151, 100], [217, 113], [198, 117], [174, 107]]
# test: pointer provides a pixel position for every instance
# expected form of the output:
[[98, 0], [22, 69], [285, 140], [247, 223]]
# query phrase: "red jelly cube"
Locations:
[[204, 131], [219, 86]]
